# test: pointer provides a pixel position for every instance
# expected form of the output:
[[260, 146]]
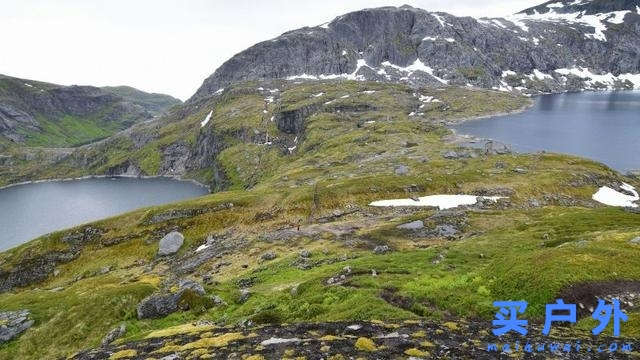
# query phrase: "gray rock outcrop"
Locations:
[[164, 303], [114, 334], [14, 323], [157, 306]]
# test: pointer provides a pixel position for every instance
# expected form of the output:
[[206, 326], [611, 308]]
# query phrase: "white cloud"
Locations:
[[165, 45]]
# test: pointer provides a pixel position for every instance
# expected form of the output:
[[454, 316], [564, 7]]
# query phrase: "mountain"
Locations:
[[291, 261], [547, 48], [35, 113], [293, 255], [557, 46]]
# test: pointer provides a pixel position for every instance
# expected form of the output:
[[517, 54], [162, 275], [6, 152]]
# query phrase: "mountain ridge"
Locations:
[[44, 114], [382, 44]]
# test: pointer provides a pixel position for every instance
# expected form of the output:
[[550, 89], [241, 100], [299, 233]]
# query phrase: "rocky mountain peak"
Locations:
[[556, 46]]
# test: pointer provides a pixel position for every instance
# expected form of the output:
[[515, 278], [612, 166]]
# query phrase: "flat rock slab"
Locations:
[[414, 225], [13, 323]]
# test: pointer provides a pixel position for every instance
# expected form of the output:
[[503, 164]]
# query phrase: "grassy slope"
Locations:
[[342, 162]]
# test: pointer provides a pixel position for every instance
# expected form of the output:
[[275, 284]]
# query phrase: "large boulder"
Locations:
[[13, 323], [157, 306], [170, 243], [162, 304]]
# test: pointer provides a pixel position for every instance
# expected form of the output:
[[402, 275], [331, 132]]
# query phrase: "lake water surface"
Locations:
[[603, 126], [28, 211]]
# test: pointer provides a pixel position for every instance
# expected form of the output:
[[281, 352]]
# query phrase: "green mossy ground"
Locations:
[[344, 160]]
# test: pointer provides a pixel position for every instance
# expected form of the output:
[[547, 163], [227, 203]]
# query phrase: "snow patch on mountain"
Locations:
[[440, 201], [441, 20], [436, 38], [416, 66], [597, 21], [608, 80], [206, 119], [611, 197]]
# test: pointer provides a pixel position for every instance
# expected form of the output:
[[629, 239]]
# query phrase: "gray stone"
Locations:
[[217, 300], [269, 255], [520, 171], [114, 334], [451, 155], [14, 323], [185, 284], [171, 357], [245, 294], [635, 241], [402, 170], [446, 230], [381, 249], [157, 306], [414, 225], [170, 243], [305, 253]]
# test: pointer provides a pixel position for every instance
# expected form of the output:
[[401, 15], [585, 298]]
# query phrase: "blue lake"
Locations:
[[28, 211], [603, 126]]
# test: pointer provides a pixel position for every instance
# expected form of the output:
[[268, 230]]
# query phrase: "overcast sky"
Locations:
[[167, 46]]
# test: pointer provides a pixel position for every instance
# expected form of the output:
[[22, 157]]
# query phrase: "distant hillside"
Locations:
[[151, 101], [35, 113]]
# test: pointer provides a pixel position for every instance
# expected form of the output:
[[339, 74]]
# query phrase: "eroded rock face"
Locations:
[[14, 323], [170, 243]]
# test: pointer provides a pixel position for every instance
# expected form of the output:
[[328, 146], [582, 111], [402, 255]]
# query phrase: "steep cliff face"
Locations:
[[37, 113], [557, 46]]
